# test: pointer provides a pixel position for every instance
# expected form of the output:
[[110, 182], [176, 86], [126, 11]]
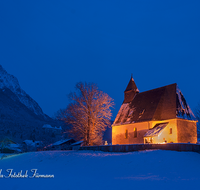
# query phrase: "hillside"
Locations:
[[99, 170], [20, 116]]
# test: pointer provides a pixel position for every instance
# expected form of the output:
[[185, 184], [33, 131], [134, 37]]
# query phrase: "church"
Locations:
[[157, 116]]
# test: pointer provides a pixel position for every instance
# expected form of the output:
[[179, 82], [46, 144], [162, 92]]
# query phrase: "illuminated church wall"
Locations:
[[187, 131], [160, 115], [168, 134], [119, 133]]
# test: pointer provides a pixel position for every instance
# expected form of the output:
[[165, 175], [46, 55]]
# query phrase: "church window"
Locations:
[[135, 132], [126, 134]]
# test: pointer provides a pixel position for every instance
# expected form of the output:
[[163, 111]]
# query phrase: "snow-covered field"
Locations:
[[76, 170]]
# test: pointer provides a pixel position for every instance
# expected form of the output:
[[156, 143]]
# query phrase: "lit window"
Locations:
[[126, 134], [170, 131], [135, 132]]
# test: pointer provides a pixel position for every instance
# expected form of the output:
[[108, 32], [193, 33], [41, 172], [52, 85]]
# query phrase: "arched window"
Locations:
[[126, 134]]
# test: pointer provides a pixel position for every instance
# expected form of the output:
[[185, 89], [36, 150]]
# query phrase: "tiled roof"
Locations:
[[158, 104]]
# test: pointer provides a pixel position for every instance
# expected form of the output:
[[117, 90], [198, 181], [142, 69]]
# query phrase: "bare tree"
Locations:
[[89, 113]]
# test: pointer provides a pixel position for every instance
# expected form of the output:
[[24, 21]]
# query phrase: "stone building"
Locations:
[[160, 115]]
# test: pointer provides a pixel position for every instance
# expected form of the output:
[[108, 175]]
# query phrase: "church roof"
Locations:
[[131, 85], [158, 104]]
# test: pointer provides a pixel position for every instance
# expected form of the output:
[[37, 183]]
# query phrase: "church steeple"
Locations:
[[131, 91]]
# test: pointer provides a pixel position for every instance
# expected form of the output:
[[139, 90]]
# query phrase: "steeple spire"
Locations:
[[131, 91]]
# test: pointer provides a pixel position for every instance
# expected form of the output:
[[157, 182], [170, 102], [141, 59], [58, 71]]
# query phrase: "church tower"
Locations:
[[131, 91]]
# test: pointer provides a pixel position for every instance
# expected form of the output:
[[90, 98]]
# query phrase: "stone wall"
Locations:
[[139, 147], [187, 131]]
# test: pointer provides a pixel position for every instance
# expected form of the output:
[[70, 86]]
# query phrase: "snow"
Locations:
[[5, 155], [59, 128], [28, 142], [47, 126], [156, 130], [77, 143], [122, 108], [14, 145], [122, 114], [11, 82], [31, 143], [61, 142], [184, 110], [157, 169]]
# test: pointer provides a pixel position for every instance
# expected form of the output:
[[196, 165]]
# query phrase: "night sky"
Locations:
[[51, 45]]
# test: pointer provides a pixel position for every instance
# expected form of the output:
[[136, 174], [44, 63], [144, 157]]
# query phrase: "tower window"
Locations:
[[170, 131]]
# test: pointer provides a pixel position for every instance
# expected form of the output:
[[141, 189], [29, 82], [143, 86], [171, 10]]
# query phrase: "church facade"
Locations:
[[160, 115]]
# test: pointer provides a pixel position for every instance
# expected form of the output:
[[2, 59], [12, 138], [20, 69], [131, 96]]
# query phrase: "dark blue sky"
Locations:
[[51, 45]]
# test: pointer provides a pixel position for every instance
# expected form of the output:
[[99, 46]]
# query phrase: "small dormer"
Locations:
[[131, 91]]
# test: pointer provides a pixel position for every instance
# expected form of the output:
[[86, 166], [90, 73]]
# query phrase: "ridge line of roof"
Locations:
[[158, 88]]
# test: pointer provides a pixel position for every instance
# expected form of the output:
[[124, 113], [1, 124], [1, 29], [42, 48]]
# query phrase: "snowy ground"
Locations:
[[76, 170]]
